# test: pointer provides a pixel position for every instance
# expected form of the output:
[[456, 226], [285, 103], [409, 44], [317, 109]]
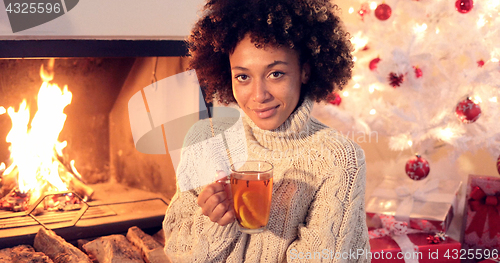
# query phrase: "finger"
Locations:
[[212, 202], [227, 188], [218, 212], [227, 218], [208, 191]]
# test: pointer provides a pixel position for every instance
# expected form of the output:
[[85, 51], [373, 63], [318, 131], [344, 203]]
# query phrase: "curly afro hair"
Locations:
[[308, 26]]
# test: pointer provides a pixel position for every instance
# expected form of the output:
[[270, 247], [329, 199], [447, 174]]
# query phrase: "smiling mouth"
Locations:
[[266, 112]]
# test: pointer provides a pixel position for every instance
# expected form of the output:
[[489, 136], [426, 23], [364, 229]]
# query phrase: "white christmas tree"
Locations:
[[415, 62]]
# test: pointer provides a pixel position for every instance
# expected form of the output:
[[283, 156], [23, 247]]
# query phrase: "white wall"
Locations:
[[115, 19]]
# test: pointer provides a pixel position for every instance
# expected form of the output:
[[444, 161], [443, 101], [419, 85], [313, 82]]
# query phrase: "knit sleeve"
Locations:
[[335, 228], [190, 236]]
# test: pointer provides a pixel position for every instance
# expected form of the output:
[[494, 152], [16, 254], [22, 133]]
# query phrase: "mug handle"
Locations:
[[222, 177]]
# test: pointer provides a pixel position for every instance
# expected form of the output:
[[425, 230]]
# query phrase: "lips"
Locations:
[[266, 112]]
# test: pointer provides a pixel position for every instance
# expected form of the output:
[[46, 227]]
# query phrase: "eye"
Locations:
[[276, 74], [241, 77]]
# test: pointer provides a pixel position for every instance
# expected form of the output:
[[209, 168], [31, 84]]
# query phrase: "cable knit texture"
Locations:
[[317, 204]]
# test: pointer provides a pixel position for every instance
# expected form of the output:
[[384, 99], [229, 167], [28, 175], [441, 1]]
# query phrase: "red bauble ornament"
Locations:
[[498, 164], [468, 111], [418, 72], [464, 6], [395, 79], [334, 99], [480, 63], [383, 12], [417, 168], [373, 64], [364, 10]]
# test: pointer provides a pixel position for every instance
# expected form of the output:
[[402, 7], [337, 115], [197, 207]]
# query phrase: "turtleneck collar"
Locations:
[[292, 133]]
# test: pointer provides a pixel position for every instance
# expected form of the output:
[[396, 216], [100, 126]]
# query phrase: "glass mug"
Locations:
[[252, 189]]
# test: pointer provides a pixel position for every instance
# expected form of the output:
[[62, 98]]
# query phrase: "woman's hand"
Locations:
[[215, 202]]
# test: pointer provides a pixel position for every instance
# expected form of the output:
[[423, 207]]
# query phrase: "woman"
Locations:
[[274, 59]]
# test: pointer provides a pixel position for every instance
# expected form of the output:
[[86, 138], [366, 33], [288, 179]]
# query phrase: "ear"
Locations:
[[306, 72]]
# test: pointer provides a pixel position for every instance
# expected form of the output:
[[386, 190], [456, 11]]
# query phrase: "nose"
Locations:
[[260, 92]]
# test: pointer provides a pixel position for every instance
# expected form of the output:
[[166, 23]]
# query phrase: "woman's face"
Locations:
[[266, 82]]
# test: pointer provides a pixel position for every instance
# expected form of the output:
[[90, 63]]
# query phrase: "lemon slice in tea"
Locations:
[[252, 200], [248, 220]]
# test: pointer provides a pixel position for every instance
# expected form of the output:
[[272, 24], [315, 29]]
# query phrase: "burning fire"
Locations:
[[36, 152]]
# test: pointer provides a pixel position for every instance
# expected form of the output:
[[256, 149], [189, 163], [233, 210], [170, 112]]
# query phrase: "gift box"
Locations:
[[425, 205], [385, 249], [482, 214]]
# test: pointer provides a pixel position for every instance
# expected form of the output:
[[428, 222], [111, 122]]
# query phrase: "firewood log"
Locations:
[[73, 182], [82, 242], [63, 161], [152, 251], [23, 254], [8, 182], [113, 249], [160, 237], [57, 249]]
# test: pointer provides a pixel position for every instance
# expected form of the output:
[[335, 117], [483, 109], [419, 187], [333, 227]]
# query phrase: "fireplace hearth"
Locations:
[[114, 209], [130, 188]]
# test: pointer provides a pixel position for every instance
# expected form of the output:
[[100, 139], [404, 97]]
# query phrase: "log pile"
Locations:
[[113, 249], [48, 247], [57, 249], [151, 250], [23, 254]]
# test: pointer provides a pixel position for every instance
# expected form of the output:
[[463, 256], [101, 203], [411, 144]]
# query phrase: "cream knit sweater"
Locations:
[[317, 212]]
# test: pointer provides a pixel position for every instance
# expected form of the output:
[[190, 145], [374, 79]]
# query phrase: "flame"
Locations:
[[34, 145]]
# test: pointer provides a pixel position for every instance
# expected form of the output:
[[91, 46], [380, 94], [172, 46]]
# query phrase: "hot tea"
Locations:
[[252, 192]]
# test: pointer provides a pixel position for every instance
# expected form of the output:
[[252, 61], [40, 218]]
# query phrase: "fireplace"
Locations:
[[129, 188]]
